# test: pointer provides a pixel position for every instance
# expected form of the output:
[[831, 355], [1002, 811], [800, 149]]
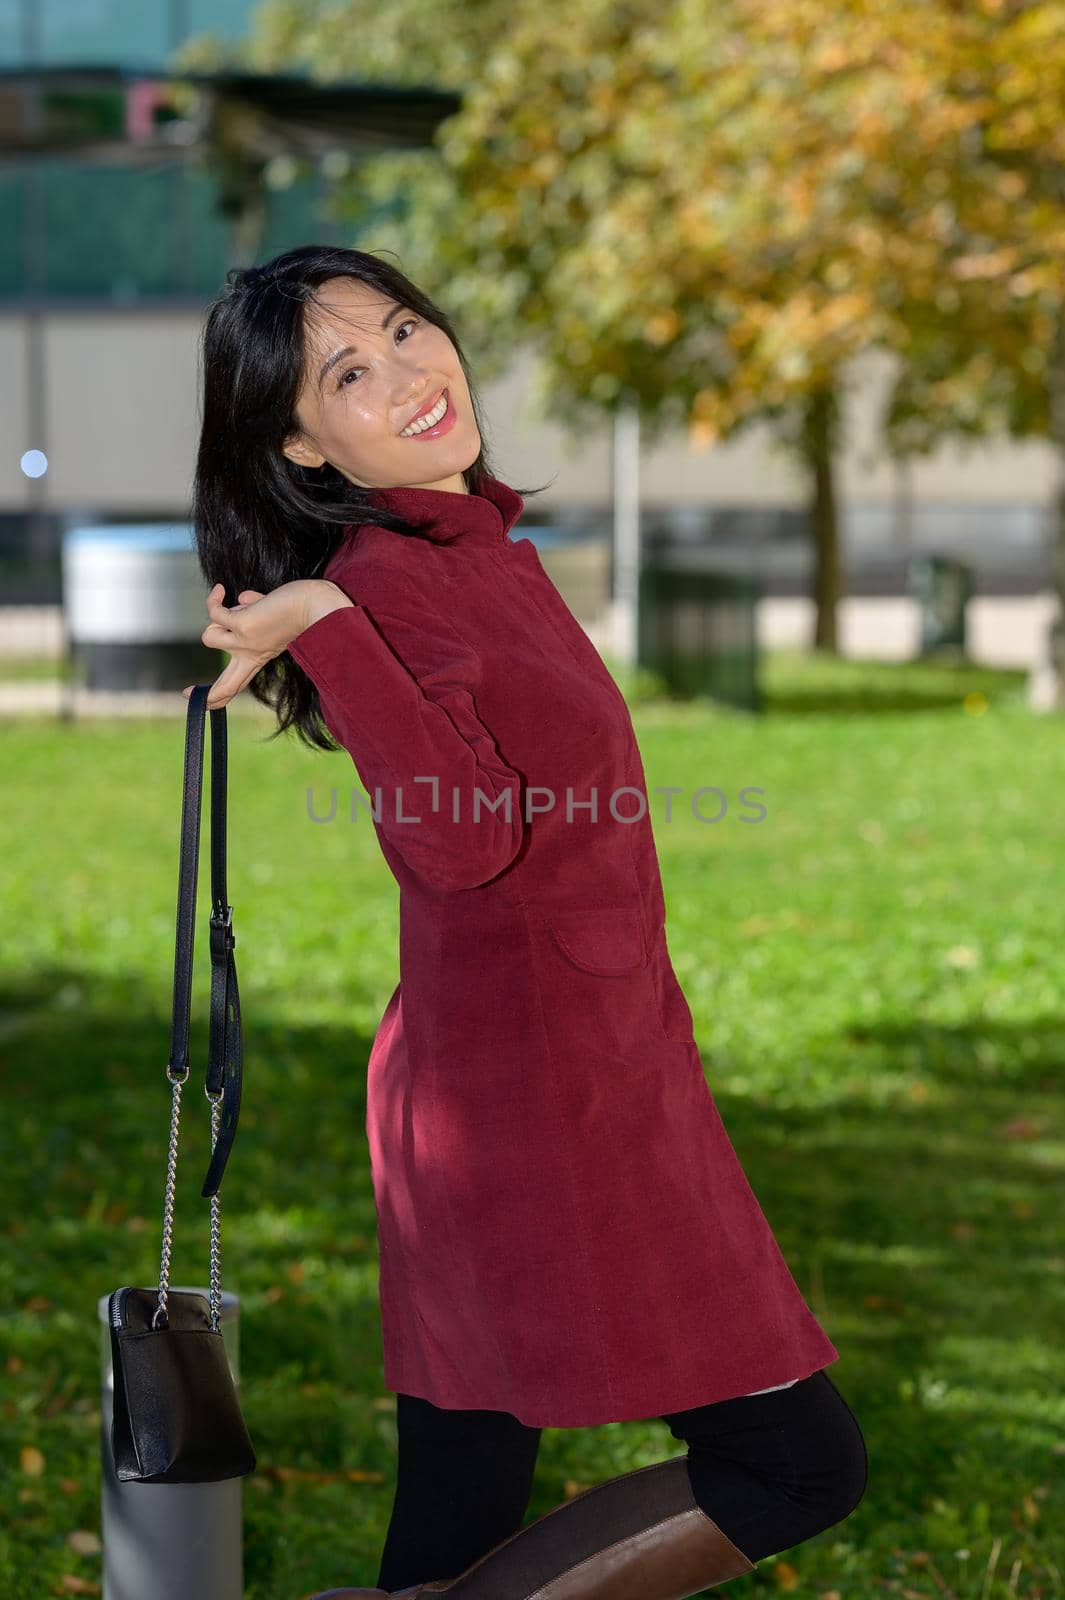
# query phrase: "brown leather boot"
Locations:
[[642, 1536]]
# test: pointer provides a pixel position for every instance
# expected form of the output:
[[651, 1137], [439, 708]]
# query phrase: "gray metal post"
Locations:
[[170, 1540], [626, 474]]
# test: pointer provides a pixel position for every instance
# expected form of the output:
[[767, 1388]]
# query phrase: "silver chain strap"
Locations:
[[216, 1221], [215, 1289]]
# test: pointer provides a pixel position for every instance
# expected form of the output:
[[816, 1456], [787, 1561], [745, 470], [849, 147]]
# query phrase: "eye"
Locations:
[[409, 322]]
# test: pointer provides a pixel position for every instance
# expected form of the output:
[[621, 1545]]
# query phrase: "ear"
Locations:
[[297, 449]]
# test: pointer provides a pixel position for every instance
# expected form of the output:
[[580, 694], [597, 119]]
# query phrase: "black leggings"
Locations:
[[770, 1469]]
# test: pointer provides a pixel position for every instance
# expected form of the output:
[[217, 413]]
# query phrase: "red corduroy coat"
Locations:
[[565, 1230]]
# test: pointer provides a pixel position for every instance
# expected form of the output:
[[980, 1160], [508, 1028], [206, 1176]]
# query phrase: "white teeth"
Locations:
[[430, 419]]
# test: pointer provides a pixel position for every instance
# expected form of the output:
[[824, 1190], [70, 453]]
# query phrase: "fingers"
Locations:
[[216, 609], [215, 600], [218, 634], [218, 637], [219, 612], [230, 681]]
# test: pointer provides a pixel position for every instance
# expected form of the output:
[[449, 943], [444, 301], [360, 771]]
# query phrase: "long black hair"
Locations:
[[260, 519]]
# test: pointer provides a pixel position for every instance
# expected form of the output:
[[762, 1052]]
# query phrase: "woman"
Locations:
[[566, 1235]]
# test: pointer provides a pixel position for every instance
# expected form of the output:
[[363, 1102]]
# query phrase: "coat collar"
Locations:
[[442, 515]]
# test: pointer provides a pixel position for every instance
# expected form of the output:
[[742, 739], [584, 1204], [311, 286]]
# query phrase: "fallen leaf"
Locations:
[[301, 1474], [1020, 1128], [59, 1402], [785, 1576], [31, 1460], [85, 1542]]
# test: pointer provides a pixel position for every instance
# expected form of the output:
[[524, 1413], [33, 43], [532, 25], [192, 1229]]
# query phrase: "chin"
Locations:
[[466, 453]]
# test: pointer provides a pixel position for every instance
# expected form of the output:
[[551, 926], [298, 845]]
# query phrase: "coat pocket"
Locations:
[[607, 940]]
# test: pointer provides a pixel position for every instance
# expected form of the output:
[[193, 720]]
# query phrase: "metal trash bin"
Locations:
[[133, 598], [942, 588], [698, 630], [170, 1541]]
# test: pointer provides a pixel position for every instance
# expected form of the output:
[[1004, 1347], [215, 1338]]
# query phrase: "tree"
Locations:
[[715, 209]]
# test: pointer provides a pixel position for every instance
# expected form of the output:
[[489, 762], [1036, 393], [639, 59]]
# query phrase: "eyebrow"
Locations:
[[351, 349]]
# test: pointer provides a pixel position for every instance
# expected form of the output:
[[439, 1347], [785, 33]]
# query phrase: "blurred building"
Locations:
[[105, 269]]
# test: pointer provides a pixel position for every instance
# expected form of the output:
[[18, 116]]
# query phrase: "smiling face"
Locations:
[[369, 365]]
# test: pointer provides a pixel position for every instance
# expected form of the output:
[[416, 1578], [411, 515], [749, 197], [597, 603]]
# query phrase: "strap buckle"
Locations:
[[222, 936]]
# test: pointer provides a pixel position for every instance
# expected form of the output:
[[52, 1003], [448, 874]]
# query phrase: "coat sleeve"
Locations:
[[396, 688]]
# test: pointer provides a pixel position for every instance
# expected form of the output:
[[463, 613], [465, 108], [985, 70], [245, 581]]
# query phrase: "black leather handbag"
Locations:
[[177, 1418]]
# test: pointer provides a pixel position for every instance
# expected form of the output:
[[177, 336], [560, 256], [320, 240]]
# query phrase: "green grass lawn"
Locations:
[[874, 971]]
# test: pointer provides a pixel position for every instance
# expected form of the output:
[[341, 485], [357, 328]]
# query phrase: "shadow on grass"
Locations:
[[915, 1233], [818, 683], [86, 1127]]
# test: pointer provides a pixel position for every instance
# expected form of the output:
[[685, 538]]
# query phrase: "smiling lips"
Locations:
[[433, 419]]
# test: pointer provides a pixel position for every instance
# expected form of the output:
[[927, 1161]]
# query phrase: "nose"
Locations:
[[415, 394]]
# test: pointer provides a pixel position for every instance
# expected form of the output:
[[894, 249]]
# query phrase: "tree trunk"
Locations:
[[819, 437]]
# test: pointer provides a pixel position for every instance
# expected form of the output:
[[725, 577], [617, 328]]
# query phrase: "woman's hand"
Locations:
[[260, 627]]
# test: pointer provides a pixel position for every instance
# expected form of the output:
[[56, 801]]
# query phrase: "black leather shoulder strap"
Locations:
[[225, 1046]]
